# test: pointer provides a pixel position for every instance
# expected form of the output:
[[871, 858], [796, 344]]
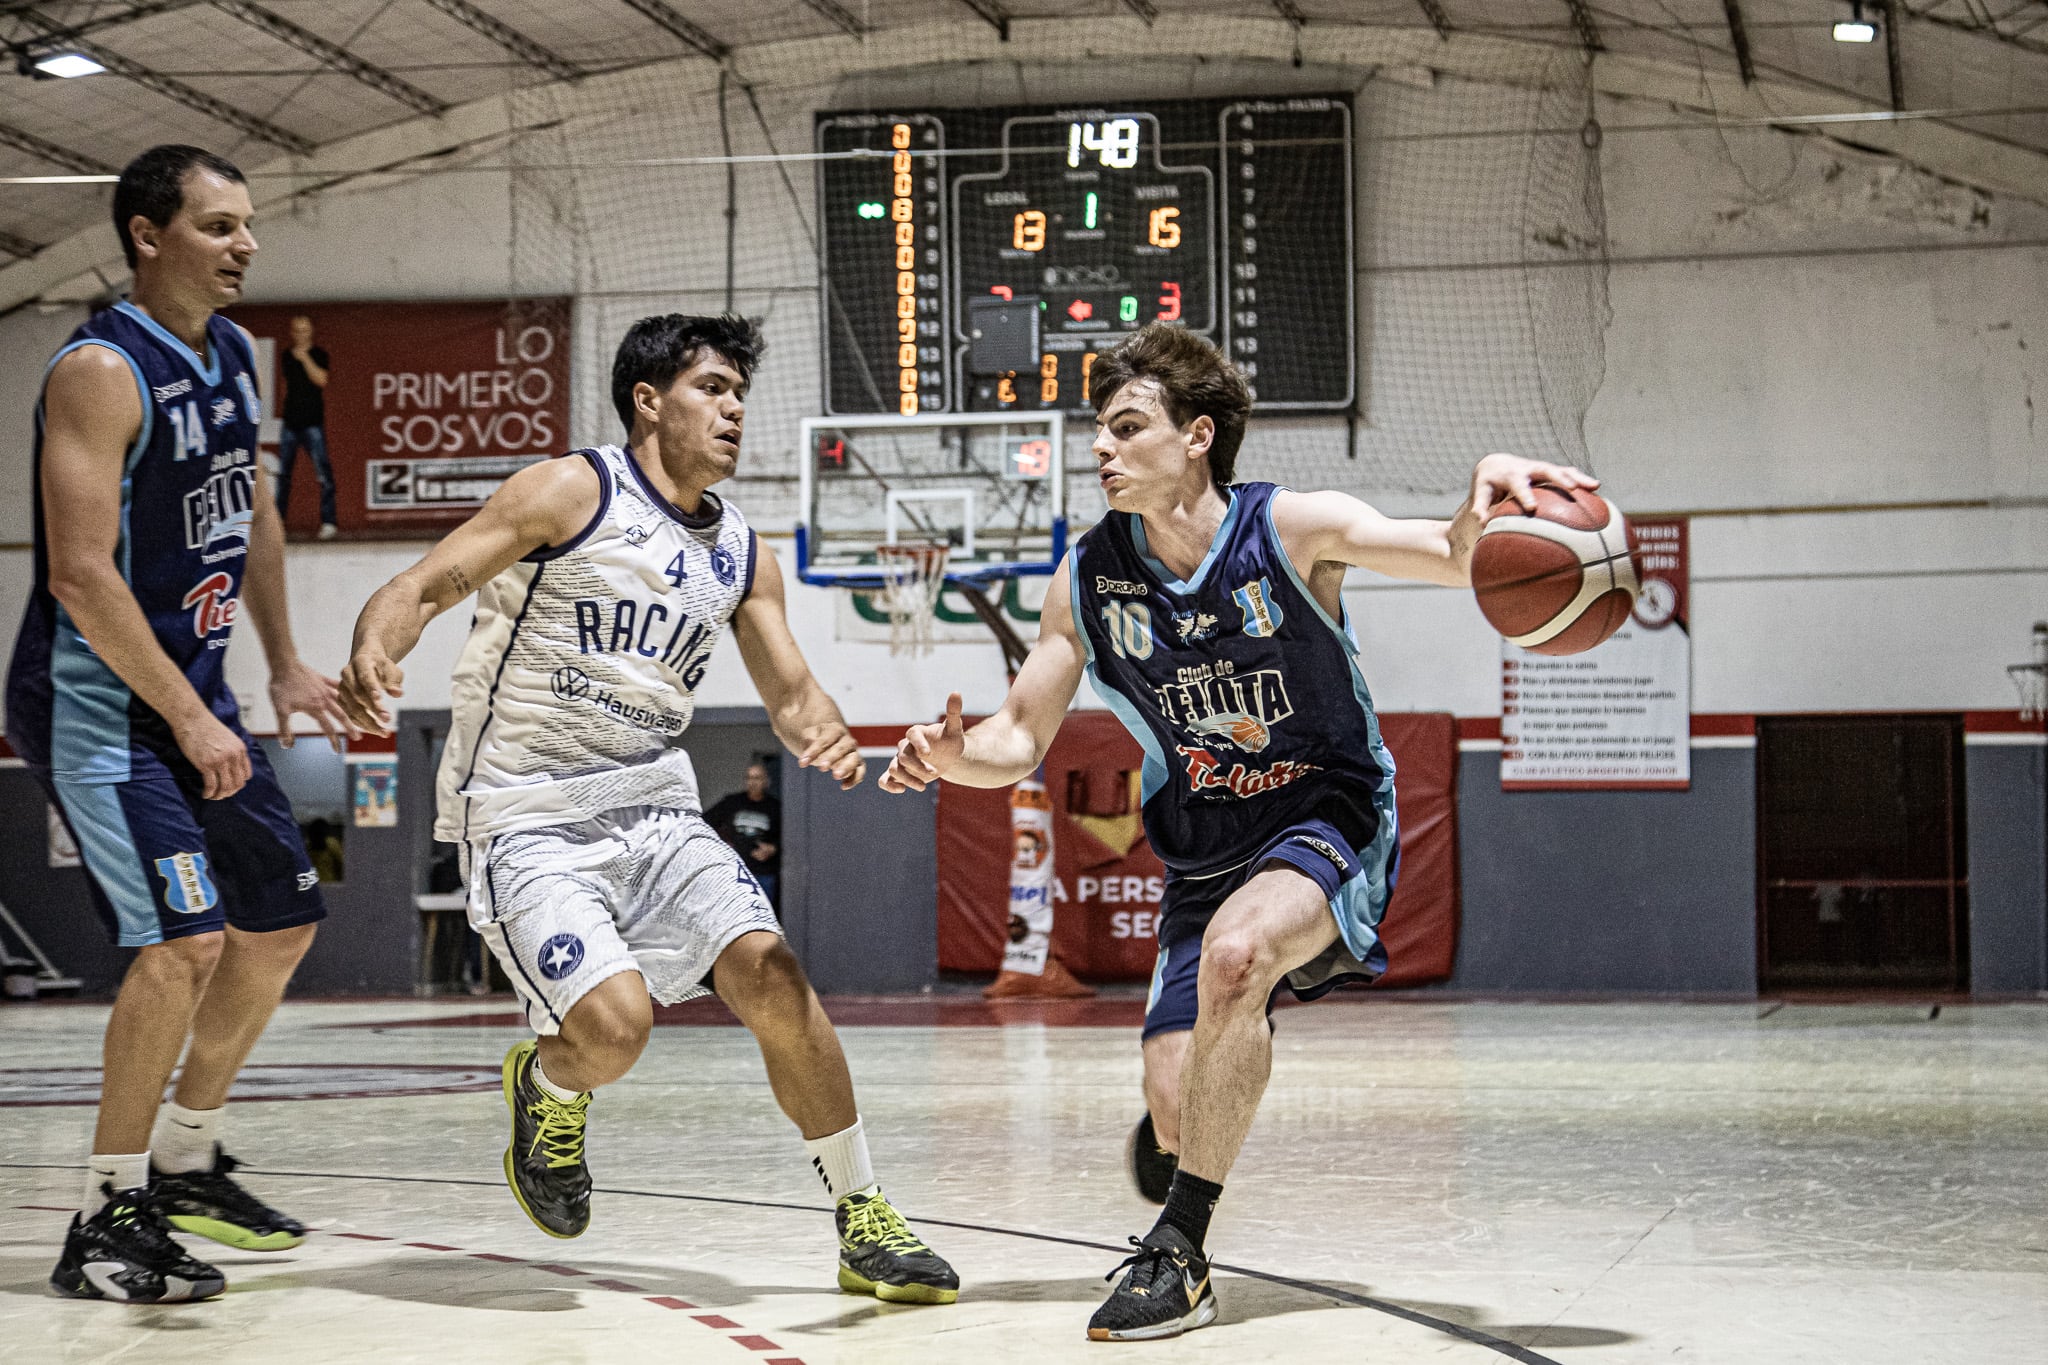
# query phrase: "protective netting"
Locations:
[[1482, 293], [1485, 300]]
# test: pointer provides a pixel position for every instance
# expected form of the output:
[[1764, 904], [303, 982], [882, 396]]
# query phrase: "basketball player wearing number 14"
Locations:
[[1208, 615], [604, 580]]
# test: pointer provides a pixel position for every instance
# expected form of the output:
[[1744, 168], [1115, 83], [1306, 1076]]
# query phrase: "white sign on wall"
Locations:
[[1620, 714]]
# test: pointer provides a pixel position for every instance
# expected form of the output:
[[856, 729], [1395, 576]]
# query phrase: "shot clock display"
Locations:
[[1229, 217]]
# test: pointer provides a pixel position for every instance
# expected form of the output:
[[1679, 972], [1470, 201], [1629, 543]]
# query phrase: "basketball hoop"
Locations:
[[913, 572], [2032, 678]]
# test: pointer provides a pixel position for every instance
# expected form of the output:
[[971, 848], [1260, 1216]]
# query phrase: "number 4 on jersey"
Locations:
[[675, 571]]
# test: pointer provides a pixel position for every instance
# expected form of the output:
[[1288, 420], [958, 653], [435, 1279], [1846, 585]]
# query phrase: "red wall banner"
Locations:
[[429, 406], [1106, 896]]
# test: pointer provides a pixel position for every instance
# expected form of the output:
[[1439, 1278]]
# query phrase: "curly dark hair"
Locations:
[[657, 349], [1195, 380]]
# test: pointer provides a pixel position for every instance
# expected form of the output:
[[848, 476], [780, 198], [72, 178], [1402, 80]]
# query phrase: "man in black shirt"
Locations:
[[304, 368], [751, 821]]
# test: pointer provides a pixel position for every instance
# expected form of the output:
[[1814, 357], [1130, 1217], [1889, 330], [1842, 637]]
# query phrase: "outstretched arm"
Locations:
[[806, 720], [1337, 528], [1011, 743], [544, 504]]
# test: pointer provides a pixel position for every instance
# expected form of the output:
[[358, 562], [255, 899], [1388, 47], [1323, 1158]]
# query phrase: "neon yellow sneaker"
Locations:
[[880, 1255], [544, 1163], [212, 1204]]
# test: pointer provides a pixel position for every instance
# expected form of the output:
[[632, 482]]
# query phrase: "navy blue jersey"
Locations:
[[187, 497], [1239, 686]]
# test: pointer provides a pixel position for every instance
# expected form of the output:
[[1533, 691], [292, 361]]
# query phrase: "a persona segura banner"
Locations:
[[398, 420], [1619, 715]]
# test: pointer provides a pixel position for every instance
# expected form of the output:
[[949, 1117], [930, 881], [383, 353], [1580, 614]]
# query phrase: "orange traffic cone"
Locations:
[[1055, 983]]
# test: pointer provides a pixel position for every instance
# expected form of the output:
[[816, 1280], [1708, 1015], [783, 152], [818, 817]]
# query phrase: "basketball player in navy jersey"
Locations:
[[151, 530], [1208, 615]]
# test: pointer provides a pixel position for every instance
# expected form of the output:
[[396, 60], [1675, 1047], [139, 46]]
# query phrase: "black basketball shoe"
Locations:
[[1152, 1166], [126, 1252], [544, 1163], [880, 1255], [1165, 1291], [212, 1204]]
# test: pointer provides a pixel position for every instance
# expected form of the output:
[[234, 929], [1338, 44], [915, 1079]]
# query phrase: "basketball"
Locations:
[[1561, 580]]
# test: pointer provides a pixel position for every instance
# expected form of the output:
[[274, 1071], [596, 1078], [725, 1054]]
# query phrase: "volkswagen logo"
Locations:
[[570, 684]]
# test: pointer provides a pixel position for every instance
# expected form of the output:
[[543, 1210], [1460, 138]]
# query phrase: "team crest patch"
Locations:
[[723, 566], [1262, 615], [560, 956], [188, 884]]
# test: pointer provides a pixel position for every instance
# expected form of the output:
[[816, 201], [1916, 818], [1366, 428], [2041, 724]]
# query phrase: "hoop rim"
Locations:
[[914, 549], [965, 574]]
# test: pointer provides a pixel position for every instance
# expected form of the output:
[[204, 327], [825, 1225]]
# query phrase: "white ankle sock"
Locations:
[[184, 1138], [124, 1172], [841, 1161], [540, 1078]]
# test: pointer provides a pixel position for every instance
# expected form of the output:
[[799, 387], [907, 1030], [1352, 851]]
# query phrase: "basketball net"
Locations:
[[2032, 678], [913, 573]]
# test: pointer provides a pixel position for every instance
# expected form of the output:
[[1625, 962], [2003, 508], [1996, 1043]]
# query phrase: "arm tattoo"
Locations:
[[460, 580]]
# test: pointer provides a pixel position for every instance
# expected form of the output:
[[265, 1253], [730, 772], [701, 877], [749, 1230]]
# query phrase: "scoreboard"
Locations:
[[979, 260]]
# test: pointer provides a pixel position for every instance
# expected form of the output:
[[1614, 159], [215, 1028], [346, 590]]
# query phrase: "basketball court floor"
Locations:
[[1457, 1182]]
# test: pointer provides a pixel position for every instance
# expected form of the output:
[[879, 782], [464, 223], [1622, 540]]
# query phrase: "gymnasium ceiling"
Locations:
[[282, 82]]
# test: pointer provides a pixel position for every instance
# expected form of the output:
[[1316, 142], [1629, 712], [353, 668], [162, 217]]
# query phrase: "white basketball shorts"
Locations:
[[643, 888]]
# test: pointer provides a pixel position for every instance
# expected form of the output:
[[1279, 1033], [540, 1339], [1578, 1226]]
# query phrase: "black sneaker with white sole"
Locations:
[[1164, 1292], [126, 1252]]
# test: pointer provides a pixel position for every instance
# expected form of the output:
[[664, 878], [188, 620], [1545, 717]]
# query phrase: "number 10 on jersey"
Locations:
[[1129, 627]]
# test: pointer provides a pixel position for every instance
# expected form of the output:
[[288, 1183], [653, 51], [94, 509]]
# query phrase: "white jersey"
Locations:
[[579, 677]]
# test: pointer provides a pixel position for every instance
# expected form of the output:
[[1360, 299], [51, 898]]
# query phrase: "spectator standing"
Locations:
[[751, 821], [304, 368]]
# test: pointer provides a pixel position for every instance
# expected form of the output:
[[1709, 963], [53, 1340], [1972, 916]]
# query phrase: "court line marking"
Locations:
[[736, 1333], [1498, 1345]]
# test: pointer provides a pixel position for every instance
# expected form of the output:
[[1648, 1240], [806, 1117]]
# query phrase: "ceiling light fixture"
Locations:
[[1855, 29], [67, 65]]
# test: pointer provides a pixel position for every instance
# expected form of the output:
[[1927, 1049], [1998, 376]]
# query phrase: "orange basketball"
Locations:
[[1559, 581]]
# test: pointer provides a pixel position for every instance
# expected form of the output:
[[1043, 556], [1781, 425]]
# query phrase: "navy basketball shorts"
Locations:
[[1349, 850], [166, 863]]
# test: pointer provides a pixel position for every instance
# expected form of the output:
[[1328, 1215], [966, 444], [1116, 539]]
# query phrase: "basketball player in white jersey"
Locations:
[[604, 580]]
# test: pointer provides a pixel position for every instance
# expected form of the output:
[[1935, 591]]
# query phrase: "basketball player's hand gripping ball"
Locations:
[[927, 751], [1554, 569]]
